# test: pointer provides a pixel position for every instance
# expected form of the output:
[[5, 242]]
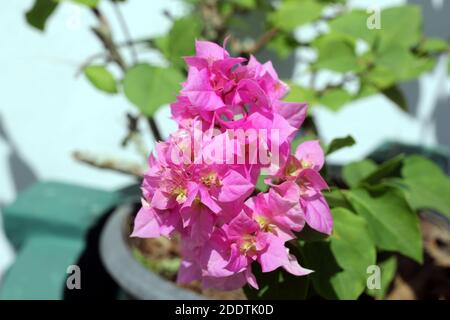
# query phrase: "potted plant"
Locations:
[[360, 236]]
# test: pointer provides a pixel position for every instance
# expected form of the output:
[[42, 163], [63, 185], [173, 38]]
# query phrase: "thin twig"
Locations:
[[129, 168], [257, 45], [154, 129], [89, 61], [263, 40], [134, 135], [103, 33], [126, 31], [106, 54]]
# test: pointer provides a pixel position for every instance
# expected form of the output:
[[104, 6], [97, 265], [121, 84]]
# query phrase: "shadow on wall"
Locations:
[[20, 171], [436, 24], [442, 117]]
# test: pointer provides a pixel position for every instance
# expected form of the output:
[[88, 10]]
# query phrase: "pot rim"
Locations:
[[132, 277]]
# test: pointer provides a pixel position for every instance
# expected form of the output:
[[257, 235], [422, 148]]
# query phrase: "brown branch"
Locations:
[[262, 41], [154, 129], [128, 168], [257, 45], [103, 33]]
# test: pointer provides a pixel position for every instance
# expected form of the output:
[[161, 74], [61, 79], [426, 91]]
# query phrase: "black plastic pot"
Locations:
[[134, 279]]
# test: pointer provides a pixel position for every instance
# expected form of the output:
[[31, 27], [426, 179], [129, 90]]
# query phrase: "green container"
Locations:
[[40, 269], [54, 208]]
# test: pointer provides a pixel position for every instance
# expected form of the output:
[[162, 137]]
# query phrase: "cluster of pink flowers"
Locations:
[[209, 198]]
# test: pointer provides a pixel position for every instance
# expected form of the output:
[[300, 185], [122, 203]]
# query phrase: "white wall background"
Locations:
[[46, 113]]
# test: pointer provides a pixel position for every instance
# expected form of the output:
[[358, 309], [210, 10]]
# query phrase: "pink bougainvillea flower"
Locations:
[[201, 181], [310, 155], [206, 53], [277, 212], [200, 92], [223, 88], [301, 174], [153, 223], [243, 241]]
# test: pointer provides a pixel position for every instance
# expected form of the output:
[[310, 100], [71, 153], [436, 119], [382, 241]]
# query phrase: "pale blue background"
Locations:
[[46, 112]]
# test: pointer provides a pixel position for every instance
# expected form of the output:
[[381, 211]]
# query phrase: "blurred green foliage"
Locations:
[[375, 206], [395, 53]]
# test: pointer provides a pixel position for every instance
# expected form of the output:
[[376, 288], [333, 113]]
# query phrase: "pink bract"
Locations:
[[198, 186]]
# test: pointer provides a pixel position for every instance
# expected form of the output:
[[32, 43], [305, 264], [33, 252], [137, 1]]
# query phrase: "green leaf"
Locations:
[[299, 140], [396, 95], [392, 223], [335, 198], [261, 185], [336, 52], [397, 60], [292, 14], [427, 187], [354, 24], [340, 143], [335, 98], [419, 66], [388, 269], [354, 172], [277, 285], [386, 170], [400, 26], [283, 44], [247, 4], [380, 76], [402, 63], [89, 3], [149, 87], [101, 78], [448, 67], [181, 39], [162, 44], [340, 264], [353, 248], [328, 279], [433, 45], [366, 90], [300, 94], [309, 234], [42, 9]]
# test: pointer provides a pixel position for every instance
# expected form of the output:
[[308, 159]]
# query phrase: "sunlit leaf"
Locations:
[[292, 14], [400, 26], [433, 45], [335, 98], [353, 23], [388, 269], [101, 78], [427, 187], [336, 53], [181, 39], [354, 172], [340, 264], [392, 223], [149, 87]]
